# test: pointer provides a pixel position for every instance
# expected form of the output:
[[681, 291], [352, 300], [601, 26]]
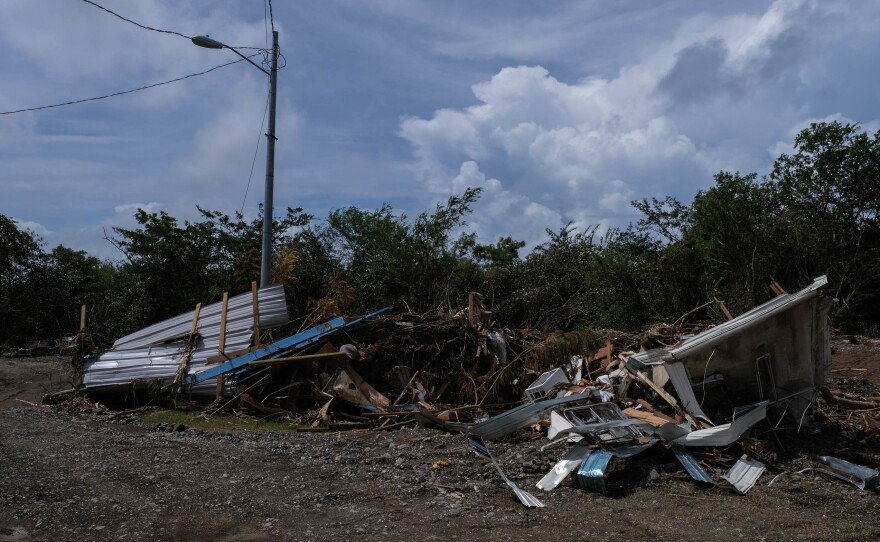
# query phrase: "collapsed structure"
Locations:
[[769, 362], [698, 392]]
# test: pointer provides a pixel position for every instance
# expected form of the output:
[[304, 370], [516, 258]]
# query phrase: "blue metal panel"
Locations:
[[591, 474], [300, 340], [692, 466]]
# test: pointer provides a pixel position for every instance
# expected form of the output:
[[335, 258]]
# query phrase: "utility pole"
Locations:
[[266, 259]]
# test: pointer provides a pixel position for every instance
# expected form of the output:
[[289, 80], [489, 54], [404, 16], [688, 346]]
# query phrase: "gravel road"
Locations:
[[92, 475]]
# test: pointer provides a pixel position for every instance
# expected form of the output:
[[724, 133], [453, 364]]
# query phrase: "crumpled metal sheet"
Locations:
[[692, 466], [591, 474], [682, 384], [565, 466], [522, 416], [272, 305], [744, 474], [140, 357], [479, 446], [859, 476], [722, 435]]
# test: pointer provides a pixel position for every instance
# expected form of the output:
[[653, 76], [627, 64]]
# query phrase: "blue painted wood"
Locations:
[[300, 340]]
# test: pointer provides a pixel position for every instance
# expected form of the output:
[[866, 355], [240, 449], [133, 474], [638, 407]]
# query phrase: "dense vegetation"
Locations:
[[815, 213]]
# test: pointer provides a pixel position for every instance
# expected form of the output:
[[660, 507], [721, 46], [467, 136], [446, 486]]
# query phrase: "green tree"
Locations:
[[829, 194], [176, 266], [387, 258], [21, 256]]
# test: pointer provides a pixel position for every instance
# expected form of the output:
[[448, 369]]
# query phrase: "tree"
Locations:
[[829, 194], [21, 255], [386, 257], [175, 267]]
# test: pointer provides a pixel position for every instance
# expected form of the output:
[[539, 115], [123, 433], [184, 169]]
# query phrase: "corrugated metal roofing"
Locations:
[[712, 336], [147, 354], [744, 474], [273, 312]]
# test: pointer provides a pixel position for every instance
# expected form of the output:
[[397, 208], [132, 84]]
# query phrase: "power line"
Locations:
[[256, 150], [125, 91], [145, 27]]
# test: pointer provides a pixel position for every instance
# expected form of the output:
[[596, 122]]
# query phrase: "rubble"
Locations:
[[687, 393]]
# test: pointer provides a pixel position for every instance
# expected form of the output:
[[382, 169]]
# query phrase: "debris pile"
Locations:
[[692, 393]]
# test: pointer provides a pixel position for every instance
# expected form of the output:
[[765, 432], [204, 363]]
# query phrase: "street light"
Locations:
[[265, 259]]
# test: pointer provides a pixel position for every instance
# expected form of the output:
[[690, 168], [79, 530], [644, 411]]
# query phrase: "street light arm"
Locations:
[[210, 43]]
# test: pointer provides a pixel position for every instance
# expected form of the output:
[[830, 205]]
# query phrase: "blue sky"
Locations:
[[560, 111]]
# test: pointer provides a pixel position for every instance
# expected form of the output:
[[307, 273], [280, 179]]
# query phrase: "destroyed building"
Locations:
[[700, 391]]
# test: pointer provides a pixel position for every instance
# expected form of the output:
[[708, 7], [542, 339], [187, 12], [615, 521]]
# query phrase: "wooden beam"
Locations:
[[308, 357], [256, 305], [195, 322], [223, 322], [775, 286], [724, 310], [643, 378], [189, 345], [82, 318], [218, 390]]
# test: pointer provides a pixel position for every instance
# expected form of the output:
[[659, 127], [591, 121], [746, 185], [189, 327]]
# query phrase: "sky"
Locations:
[[562, 112]]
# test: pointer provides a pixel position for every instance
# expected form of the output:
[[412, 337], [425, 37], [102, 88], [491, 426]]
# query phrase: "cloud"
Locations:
[[499, 207], [705, 99], [564, 151], [34, 227], [151, 207]]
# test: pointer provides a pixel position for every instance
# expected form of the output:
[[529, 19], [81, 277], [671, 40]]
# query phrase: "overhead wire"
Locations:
[[72, 102], [145, 27], [266, 4], [262, 123]]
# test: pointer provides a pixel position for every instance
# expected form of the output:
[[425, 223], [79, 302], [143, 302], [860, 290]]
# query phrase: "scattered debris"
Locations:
[[679, 392], [859, 476]]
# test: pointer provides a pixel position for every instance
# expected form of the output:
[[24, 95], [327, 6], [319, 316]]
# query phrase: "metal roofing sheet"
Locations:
[[722, 435], [692, 466], [134, 359], [744, 474], [712, 336], [272, 307]]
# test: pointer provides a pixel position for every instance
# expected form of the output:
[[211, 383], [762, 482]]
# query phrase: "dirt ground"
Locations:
[[96, 475]]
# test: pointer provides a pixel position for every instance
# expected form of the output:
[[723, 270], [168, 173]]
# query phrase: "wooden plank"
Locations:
[[476, 310], [190, 345], [223, 323], [308, 357], [218, 390], [652, 419], [725, 311], [195, 322], [775, 286], [256, 305], [82, 318], [642, 377]]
